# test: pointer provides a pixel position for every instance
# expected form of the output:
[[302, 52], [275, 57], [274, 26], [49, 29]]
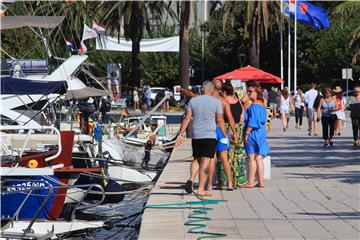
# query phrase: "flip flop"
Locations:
[[230, 189], [204, 195], [188, 186], [245, 186], [259, 186]]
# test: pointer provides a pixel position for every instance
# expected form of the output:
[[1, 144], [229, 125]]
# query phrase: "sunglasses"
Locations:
[[250, 91]]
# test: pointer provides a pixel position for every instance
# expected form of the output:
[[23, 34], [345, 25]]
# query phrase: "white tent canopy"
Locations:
[[170, 44]]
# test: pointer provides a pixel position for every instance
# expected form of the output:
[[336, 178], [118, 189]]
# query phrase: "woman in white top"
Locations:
[[299, 102], [284, 103], [136, 99]]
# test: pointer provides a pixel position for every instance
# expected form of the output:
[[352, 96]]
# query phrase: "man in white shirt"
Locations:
[[311, 112]]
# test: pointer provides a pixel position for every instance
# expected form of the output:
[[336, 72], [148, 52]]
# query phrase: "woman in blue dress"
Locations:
[[255, 136]]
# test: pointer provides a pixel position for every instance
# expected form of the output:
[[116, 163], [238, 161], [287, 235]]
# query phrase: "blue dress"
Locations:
[[255, 117]]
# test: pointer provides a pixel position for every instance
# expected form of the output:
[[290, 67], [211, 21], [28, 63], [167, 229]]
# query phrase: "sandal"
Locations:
[[260, 186], [246, 186], [206, 194]]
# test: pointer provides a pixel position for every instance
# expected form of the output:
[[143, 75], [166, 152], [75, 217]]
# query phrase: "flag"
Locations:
[[83, 48], [125, 112], [99, 29], [3, 9], [307, 13], [70, 46], [88, 33]]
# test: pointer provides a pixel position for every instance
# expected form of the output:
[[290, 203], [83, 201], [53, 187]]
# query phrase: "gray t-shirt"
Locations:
[[204, 109]]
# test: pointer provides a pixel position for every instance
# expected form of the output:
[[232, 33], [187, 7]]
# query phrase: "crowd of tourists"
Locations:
[[327, 107], [223, 126]]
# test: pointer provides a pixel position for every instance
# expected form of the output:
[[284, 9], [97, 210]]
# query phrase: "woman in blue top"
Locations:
[[255, 136]]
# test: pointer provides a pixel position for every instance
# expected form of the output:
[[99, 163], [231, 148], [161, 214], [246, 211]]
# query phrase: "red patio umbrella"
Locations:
[[250, 73]]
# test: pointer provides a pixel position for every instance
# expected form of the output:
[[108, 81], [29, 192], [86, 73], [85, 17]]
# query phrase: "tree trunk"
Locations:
[[184, 45], [135, 62], [254, 45]]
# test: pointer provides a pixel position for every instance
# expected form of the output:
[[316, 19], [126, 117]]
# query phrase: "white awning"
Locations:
[[170, 44]]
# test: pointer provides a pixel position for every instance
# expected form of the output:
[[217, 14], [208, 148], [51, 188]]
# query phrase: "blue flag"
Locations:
[[307, 13]]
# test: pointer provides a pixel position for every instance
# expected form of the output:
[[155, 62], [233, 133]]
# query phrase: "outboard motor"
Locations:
[[146, 159]]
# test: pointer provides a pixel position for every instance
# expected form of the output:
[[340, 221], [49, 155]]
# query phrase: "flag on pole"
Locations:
[[70, 46], [99, 29], [125, 112], [307, 13], [83, 48], [3, 9], [88, 33]]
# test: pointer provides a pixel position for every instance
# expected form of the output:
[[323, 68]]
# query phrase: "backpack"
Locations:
[[317, 101]]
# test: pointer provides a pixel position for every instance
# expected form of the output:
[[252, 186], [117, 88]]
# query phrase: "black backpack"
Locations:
[[317, 101]]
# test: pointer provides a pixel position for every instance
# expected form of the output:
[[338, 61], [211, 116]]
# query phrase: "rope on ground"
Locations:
[[198, 215]]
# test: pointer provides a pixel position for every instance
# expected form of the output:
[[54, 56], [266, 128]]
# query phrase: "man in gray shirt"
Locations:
[[206, 112]]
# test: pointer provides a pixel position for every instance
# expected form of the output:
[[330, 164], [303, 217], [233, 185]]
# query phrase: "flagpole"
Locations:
[[289, 54], [295, 49], [281, 44]]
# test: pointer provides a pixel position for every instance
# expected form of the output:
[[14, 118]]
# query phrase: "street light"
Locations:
[[242, 59], [191, 71]]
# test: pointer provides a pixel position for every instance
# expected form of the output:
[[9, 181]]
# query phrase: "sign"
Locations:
[[347, 73]]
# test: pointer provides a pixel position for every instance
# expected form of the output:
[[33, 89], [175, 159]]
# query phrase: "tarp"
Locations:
[[250, 73], [12, 22], [170, 44], [10, 85], [85, 93]]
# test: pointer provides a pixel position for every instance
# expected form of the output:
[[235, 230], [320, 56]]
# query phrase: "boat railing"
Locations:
[[30, 190], [31, 131], [88, 187]]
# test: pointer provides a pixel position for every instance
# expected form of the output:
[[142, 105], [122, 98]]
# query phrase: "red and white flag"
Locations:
[[83, 48], [99, 29]]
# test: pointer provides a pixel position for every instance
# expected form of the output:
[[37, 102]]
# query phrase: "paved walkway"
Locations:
[[313, 194]]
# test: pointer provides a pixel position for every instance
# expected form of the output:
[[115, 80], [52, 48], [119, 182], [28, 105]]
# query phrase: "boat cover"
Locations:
[[10, 85], [85, 93], [11, 22]]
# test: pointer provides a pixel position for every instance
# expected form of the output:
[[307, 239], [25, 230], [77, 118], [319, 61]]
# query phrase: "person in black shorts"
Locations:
[[206, 112]]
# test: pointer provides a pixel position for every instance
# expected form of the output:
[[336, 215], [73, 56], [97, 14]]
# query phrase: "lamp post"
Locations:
[[242, 59], [202, 28], [191, 72]]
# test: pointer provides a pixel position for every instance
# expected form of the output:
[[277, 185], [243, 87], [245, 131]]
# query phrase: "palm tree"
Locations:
[[346, 10], [76, 14], [185, 7], [134, 17], [257, 19]]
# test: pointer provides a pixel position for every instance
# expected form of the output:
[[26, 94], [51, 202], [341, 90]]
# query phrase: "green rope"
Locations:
[[198, 216]]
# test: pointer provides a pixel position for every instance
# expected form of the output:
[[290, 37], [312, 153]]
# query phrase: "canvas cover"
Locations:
[[12, 22]]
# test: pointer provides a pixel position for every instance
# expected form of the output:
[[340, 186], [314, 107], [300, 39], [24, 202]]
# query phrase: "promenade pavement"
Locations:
[[313, 194]]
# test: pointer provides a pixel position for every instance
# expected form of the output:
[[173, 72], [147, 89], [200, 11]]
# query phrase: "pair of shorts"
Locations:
[[220, 146], [204, 147], [285, 110], [273, 105], [311, 114]]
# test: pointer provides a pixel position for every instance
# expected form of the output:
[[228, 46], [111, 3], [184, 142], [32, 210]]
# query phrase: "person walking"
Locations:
[[148, 97], [311, 108], [340, 114], [207, 113], [255, 137], [222, 148], [236, 152], [136, 99], [327, 107], [284, 103], [354, 105], [299, 101], [272, 101]]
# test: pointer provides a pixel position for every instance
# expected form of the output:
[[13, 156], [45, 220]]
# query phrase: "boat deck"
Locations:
[[313, 194]]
